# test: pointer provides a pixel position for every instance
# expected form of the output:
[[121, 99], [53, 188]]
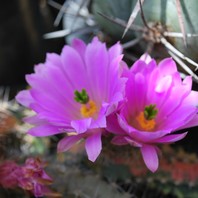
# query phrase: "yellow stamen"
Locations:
[[146, 125], [89, 109]]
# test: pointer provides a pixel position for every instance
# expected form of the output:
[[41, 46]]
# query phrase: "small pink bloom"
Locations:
[[9, 174], [30, 177], [75, 92], [34, 177], [157, 104]]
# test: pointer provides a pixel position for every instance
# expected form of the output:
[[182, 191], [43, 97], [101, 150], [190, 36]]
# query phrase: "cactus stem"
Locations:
[[177, 52]]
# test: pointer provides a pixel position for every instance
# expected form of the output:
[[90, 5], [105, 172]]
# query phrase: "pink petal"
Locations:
[[167, 66], [54, 59], [133, 142], [24, 98], [148, 137], [161, 91], [164, 84], [188, 82], [123, 124], [124, 69], [171, 138], [100, 122], [34, 120], [138, 66], [119, 140], [170, 105], [146, 58], [81, 126], [130, 94], [149, 154], [140, 91], [97, 63], [140, 136], [191, 123], [74, 67], [93, 146], [114, 84], [52, 117], [113, 125], [115, 51], [191, 99], [79, 46], [44, 130], [48, 102], [67, 142], [181, 116]]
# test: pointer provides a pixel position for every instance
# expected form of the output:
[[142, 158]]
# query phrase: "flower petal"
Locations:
[[81, 126], [149, 154], [100, 122], [191, 123], [54, 59], [171, 138], [133, 142], [167, 66], [79, 46], [74, 68], [138, 66], [119, 140], [115, 51], [97, 63], [146, 58], [44, 130], [34, 120], [93, 145], [24, 98], [113, 125], [67, 142]]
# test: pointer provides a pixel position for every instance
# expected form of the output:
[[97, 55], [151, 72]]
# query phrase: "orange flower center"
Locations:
[[145, 124], [89, 109]]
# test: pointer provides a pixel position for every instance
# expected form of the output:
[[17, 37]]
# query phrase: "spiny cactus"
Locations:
[[167, 26], [115, 9], [177, 175]]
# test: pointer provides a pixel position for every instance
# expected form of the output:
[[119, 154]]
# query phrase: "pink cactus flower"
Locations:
[[30, 177], [157, 104], [75, 92], [34, 177], [9, 174]]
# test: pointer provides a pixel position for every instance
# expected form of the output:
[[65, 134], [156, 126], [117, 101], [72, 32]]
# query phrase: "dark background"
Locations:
[[22, 25]]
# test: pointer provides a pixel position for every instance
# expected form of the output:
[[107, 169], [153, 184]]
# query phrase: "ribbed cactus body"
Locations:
[[113, 8], [163, 12]]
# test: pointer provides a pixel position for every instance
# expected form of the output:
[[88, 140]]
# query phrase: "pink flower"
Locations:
[[9, 174], [34, 178], [157, 104], [30, 177], [75, 92]]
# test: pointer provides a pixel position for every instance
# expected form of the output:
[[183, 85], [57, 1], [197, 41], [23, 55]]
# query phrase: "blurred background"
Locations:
[[22, 26], [31, 28]]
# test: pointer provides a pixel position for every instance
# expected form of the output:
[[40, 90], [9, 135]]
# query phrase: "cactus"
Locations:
[[176, 177], [161, 15], [116, 9], [165, 13]]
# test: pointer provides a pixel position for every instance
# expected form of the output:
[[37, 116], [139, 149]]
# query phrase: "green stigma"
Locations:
[[150, 112], [81, 97]]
